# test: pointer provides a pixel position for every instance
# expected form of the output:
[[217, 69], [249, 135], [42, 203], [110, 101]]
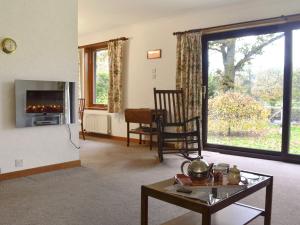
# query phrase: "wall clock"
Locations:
[[8, 45]]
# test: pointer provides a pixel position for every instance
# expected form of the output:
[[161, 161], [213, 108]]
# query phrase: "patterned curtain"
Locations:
[[189, 72], [115, 55], [80, 73]]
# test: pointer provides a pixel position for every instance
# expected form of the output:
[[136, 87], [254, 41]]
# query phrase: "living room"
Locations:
[[47, 179]]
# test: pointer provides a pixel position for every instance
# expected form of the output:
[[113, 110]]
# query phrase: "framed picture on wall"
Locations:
[[154, 54]]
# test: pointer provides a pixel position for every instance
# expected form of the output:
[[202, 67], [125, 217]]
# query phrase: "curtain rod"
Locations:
[[119, 39], [260, 22], [103, 42]]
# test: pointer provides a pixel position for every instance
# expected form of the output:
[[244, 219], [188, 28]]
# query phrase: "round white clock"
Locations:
[[9, 45]]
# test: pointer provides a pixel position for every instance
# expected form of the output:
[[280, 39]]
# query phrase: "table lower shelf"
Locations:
[[143, 130], [235, 214]]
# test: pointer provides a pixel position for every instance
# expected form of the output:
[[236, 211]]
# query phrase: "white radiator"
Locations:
[[97, 123]]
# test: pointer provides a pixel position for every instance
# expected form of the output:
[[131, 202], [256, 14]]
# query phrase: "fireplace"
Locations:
[[41, 101]]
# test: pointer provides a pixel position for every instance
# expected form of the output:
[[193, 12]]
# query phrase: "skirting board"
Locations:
[[42, 169], [116, 138], [124, 139]]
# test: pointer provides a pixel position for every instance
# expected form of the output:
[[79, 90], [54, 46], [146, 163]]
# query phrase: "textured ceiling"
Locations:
[[98, 15]]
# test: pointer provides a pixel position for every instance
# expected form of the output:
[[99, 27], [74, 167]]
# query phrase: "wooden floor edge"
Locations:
[[42, 169]]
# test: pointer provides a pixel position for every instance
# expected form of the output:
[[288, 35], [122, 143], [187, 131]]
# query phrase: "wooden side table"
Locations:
[[142, 116]]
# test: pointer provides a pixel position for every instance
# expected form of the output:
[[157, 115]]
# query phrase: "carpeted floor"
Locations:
[[106, 190]]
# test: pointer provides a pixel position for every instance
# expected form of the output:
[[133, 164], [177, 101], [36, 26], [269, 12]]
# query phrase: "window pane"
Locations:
[[101, 77], [295, 112], [245, 90]]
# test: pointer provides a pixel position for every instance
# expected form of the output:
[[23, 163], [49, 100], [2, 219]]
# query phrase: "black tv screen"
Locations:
[[44, 101]]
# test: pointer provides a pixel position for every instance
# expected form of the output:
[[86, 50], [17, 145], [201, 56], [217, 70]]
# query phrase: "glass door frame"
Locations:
[[284, 154]]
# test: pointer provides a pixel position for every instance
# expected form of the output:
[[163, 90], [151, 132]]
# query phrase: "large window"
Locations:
[[97, 69], [253, 82], [101, 77]]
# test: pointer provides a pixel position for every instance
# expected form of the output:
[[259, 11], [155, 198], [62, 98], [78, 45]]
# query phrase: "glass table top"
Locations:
[[210, 195]]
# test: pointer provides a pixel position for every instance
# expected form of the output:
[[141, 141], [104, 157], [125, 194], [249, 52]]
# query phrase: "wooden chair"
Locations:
[[176, 133], [81, 113]]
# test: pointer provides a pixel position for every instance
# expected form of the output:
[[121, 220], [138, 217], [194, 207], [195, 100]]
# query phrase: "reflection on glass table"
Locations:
[[213, 194]]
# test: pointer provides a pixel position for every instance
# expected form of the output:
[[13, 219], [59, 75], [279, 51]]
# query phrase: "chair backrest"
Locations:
[[81, 107], [171, 102]]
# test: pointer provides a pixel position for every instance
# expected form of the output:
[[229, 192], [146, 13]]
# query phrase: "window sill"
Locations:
[[97, 108]]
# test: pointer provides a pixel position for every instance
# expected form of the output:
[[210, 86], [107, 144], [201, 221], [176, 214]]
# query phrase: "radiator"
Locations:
[[97, 123]]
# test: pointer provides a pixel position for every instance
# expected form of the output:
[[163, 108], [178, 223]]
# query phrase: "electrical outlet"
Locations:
[[19, 163]]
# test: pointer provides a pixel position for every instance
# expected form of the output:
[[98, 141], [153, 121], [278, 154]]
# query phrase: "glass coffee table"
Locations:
[[212, 205]]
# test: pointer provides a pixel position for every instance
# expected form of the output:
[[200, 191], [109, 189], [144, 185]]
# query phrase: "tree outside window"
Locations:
[[101, 77]]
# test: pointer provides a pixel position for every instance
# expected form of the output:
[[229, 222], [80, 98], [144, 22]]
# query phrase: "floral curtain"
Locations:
[[80, 73], [189, 72], [115, 55]]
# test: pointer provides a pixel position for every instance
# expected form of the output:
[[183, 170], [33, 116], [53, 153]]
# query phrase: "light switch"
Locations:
[[154, 73]]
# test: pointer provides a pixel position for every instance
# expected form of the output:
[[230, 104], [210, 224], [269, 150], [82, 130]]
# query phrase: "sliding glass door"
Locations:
[[295, 102], [246, 73], [245, 77]]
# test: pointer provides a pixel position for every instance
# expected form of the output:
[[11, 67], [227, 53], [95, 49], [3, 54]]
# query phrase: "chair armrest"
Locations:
[[193, 119]]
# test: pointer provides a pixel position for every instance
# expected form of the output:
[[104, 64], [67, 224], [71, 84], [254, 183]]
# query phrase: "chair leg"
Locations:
[[82, 131], [198, 137], [160, 148], [160, 155], [150, 137], [128, 138], [140, 136], [199, 147], [186, 145]]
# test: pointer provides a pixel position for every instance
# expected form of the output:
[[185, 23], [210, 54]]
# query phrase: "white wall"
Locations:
[[157, 34], [46, 34]]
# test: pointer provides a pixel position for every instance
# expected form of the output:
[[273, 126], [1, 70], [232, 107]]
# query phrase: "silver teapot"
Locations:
[[197, 168]]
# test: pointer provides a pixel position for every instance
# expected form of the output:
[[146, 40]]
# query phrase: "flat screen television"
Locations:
[[44, 101]]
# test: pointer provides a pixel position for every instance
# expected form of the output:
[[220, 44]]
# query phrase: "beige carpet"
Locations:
[[106, 190]]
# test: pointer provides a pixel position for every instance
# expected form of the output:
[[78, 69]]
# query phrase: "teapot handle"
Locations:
[[182, 165]]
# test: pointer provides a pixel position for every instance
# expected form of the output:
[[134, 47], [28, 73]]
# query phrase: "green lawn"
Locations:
[[270, 140], [295, 140]]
